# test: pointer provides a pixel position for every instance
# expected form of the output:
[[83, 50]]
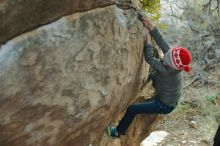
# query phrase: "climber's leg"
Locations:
[[153, 107]]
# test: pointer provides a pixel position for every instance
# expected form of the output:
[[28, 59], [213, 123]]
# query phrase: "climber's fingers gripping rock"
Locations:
[[140, 15], [146, 20]]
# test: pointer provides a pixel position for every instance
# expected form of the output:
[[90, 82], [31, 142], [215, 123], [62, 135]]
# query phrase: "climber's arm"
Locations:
[[156, 34], [149, 56], [160, 40], [154, 62]]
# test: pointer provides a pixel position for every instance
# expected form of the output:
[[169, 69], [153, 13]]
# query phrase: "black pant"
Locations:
[[217, 138]]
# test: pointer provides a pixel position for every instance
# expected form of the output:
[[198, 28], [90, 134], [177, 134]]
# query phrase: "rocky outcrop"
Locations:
[[63, 83], [19, 16]]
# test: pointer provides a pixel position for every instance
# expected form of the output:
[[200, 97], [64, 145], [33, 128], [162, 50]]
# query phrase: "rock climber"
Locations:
[[167, 78]]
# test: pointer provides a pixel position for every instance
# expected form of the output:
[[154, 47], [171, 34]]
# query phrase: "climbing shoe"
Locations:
[[112, 131]]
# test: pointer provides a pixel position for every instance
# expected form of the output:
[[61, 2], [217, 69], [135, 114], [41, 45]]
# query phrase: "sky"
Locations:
[[166, 9]]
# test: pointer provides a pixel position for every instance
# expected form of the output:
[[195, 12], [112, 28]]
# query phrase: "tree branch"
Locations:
[[209, 4]]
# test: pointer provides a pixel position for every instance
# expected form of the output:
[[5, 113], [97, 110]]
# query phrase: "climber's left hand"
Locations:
[[147, 38]]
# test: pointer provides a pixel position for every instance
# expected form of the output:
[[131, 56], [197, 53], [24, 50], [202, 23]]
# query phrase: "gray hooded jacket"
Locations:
[[168, 81]]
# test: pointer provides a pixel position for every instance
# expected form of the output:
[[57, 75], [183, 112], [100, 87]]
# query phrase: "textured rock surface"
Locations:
[[61, 84], [19, 16]]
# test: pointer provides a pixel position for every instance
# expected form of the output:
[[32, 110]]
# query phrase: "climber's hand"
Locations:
[[146, 20], [140, 15], [147, 38]]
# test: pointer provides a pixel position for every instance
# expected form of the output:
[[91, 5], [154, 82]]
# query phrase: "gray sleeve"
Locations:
[[160, 40], [154, 62]]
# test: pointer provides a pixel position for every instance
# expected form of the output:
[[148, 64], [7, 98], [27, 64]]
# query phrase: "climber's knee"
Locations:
[[132, 109]]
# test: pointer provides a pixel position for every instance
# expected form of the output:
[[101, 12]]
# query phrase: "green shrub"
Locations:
[[212, 98], [153, 7]]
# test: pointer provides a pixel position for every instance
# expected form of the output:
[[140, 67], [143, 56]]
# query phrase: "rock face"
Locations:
[[19, 16], [63, 83]]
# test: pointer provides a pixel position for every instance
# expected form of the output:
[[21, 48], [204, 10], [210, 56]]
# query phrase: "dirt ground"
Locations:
[[194, 121]]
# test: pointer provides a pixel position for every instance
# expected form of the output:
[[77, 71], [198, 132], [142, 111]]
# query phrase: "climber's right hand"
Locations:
[[141, 16], [146, 20]]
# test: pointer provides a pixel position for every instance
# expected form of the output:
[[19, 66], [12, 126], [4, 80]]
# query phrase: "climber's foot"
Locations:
[[112, 131]]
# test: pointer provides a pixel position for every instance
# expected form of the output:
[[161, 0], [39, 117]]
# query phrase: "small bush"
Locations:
[[153, 7]]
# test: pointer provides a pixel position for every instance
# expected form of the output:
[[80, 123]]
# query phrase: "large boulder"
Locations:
[[61, 84]]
